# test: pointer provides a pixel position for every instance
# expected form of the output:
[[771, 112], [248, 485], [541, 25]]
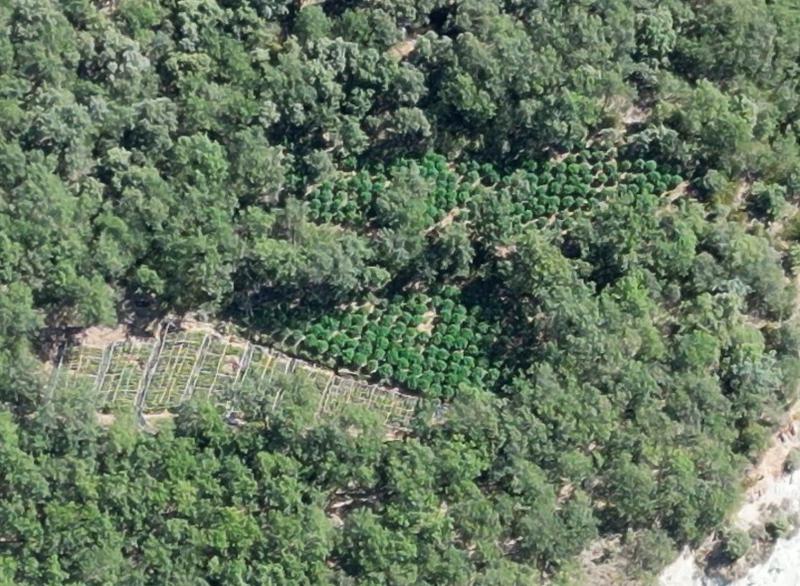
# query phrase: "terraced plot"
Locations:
[[151, 375]]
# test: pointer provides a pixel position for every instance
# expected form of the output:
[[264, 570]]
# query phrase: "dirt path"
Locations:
[[448, 219]]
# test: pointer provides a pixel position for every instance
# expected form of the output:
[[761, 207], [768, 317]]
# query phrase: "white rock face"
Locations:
[[682, 572], [782, 568]]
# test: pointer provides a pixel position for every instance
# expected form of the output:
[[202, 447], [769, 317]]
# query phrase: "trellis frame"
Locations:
[[182, 362]]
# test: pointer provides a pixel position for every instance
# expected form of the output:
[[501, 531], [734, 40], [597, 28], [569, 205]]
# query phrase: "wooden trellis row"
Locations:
[[160, 373]]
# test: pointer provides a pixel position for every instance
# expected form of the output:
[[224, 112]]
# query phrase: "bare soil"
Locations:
[[403, 49], [101, 336], [635, 115], [445, 221], [427, 322]]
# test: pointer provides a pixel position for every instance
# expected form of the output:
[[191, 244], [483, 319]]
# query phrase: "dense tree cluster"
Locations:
[[571, 221]]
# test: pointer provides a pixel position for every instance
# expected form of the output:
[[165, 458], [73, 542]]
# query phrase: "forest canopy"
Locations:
[[573, 223]]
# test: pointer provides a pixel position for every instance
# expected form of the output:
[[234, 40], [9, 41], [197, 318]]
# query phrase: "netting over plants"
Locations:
[[149, 375]]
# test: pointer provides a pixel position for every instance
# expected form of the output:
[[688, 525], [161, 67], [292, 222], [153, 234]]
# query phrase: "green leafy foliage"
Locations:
[[736, 543], [427, 344], [565, 220]]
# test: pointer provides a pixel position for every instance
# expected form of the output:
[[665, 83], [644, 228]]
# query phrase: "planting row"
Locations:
[[537, 191], [430, 344]]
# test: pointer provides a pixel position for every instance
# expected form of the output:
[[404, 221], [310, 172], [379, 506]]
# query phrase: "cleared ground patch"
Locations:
[[149, 375]]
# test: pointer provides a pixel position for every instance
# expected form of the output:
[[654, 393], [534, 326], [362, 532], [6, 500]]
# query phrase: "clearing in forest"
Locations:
[[151, 375]]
